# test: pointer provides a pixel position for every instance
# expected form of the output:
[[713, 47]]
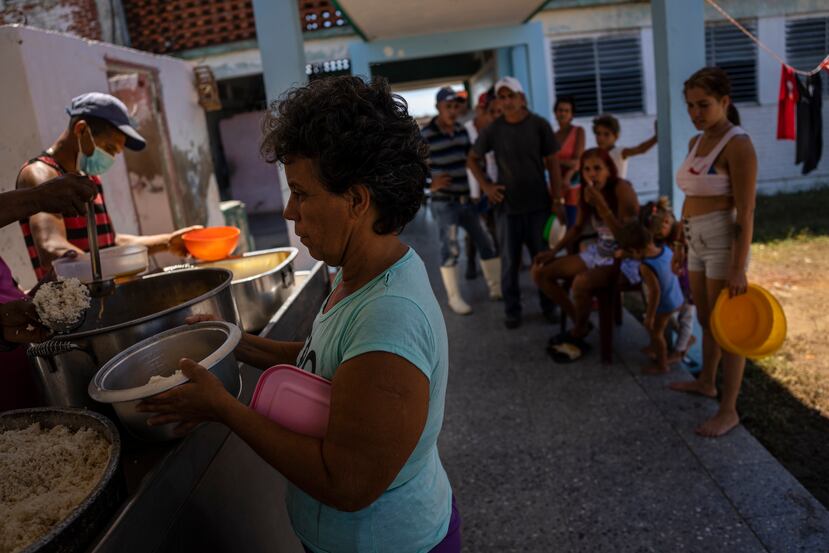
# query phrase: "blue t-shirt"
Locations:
[[397, 313]]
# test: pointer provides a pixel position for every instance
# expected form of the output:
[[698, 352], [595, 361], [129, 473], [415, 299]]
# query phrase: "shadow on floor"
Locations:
[[796, 434]]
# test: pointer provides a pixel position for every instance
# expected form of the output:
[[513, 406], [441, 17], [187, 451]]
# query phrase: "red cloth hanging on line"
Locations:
[[787, 104]]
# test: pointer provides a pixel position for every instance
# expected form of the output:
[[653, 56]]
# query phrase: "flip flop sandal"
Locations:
[[566, 336], [565, 353], [557, 339]]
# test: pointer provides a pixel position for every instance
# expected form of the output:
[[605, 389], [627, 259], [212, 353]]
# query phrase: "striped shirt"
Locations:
[[75, 226], [447, 154]]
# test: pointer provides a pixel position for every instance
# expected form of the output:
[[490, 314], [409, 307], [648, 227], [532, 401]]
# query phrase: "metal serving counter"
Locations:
[[209, 491]]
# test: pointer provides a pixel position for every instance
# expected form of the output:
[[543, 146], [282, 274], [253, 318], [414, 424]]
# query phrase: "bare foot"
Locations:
[[655, 368], [694, 387], [677, 356], [719, 425]]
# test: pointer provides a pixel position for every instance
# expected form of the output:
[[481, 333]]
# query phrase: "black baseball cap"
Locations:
[[446, 94], [111, 109]]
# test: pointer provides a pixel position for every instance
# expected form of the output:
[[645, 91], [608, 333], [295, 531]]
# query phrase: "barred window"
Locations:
[[603, 74], [807, 43], [728, 48]]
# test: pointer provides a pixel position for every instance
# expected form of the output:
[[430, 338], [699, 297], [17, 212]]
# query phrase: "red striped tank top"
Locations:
[[75, 226]]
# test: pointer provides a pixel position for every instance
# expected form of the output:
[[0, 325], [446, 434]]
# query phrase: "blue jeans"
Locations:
[[455, 214], [515, 232]]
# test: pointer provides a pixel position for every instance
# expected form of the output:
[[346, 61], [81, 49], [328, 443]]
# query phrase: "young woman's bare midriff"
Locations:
[[702, 205]]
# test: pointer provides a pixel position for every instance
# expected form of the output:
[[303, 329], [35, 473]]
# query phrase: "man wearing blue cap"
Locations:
[[99, 129], [452, 207]]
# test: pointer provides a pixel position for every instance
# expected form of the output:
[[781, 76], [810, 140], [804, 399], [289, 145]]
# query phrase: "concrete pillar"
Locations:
[[280, 44], [503, 62], [540, 72], [772, 32], [679, 50], [521, 69], [279, 37]]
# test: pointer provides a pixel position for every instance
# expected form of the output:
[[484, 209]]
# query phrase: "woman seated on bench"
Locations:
[[608, 202]]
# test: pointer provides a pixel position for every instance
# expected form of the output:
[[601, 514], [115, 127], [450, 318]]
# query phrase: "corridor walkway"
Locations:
[[592, 458]]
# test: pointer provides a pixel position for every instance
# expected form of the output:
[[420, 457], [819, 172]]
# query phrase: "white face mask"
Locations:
[[98, 163]]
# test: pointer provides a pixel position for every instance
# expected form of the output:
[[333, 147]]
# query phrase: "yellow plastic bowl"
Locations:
[[752, 325], [779, 329]]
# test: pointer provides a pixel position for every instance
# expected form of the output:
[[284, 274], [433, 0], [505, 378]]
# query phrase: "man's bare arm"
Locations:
[[48, 230]]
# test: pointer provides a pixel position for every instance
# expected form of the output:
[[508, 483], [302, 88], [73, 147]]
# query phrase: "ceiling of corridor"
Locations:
[[384, 19]]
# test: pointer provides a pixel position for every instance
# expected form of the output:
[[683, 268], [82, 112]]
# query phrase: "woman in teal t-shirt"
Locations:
[[356, 167]]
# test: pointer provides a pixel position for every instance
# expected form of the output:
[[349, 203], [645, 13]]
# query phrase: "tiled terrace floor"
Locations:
[[594, 458]]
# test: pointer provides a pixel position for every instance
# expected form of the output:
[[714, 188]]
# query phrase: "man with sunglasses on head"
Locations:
[[99, 129]]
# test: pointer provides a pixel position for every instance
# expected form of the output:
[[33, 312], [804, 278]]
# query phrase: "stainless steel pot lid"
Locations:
[[126, 376]]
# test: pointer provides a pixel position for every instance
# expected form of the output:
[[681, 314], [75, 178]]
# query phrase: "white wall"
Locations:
[[777, 171], [42, 72]]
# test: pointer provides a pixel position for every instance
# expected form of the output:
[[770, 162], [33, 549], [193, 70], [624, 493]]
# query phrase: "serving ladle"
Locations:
[[98, 287]]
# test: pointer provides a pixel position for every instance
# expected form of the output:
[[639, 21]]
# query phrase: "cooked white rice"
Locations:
[[44, 475], [156, 378], [61, 303]]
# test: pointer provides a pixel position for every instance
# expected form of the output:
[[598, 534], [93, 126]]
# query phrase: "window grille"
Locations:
[[728, 48], [807, 43], [603, 74]]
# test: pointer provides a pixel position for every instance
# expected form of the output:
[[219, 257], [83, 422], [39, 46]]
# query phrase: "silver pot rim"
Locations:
[[103, 395], [92, 332], [292, 253]]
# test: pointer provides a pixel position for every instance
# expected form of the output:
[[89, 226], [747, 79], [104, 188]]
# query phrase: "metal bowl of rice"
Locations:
[[60, 480], [150, 367]]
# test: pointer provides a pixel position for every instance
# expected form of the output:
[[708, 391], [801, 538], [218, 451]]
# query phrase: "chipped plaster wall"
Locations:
[[34, 117]]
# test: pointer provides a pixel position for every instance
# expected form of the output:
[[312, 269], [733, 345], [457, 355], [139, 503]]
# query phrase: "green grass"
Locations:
[[792, 215]]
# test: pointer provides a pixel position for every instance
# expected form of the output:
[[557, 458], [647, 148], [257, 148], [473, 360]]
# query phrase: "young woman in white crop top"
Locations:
[[719, 179]]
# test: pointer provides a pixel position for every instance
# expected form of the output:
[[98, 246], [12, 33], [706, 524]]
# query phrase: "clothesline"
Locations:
[[823, 65]]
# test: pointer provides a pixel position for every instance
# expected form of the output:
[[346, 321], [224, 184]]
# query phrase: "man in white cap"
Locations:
[[99, 129], [524, 145]]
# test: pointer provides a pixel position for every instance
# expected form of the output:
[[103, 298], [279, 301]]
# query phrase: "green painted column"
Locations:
[[679, 50]]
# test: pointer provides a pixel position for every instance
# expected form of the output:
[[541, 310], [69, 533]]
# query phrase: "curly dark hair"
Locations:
[[354, 132], [633, 236]]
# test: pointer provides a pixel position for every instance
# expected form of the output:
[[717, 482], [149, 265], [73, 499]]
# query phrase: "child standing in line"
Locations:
[[664, 296], [658, 218], [606, 128]]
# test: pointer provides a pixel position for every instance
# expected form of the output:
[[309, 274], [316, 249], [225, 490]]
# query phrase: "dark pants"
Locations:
[[466, 216], [515, 232]]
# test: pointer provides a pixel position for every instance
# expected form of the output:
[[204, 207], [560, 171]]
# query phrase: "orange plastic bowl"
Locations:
[[752, 325], [211, 243]]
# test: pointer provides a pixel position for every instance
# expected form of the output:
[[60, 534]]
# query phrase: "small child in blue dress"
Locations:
[[663, 293]]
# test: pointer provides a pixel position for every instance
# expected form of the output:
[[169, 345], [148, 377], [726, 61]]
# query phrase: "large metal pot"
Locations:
[[136, 310], [126, 378], [261, 283], [79, 528]]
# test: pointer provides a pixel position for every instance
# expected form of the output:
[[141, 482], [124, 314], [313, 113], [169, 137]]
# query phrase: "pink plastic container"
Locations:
[[296, 399]]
